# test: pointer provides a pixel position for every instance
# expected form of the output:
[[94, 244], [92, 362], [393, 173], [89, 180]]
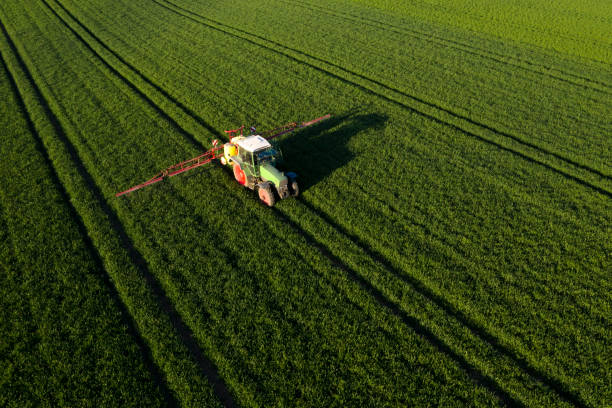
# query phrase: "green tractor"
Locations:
[[254, 160]]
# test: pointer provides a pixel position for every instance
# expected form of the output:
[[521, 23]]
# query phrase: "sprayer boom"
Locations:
[[179, 168], [263, 173]]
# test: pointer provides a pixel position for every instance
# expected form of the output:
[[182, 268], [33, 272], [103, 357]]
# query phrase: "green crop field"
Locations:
[[451, 245]]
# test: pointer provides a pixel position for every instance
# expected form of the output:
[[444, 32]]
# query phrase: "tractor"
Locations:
[[253, 159]]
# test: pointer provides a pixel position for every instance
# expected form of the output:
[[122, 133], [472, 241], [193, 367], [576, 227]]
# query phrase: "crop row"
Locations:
[[545, 156], [597, 221], [178, 209], [67, 338], [464, 87], [128, 273], [470, 44], [184, 301], [219, 281]]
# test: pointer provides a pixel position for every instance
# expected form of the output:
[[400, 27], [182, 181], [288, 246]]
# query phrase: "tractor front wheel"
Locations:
[[239, 175], [267, 196]]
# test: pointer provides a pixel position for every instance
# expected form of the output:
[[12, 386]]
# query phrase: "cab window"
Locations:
[[245, 156]]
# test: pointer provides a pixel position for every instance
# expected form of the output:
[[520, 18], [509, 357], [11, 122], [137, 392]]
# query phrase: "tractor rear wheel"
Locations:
[[266, 195], [239, 175], [295, 189]]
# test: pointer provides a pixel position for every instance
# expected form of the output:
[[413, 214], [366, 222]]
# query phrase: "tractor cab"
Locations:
[[255, 151], [253, 160]]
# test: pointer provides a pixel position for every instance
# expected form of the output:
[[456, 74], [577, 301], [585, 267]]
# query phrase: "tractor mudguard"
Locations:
[[270, 173]]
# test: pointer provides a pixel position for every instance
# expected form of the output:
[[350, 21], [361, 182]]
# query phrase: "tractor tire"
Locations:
[[266, 195], [295, 189], [239, 175]]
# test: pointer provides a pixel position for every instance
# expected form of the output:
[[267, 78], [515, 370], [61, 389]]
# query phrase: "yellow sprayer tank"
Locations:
[[229, 150]]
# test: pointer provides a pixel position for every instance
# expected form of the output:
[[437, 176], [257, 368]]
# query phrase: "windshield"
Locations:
[[265, 156]]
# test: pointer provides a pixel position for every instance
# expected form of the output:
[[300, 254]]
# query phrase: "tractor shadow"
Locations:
[[316, 152]]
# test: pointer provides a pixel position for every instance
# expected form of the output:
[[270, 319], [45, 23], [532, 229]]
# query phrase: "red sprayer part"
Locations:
[[290, 127], [179, 168]]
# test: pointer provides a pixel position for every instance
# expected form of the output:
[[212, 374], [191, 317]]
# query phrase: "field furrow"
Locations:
[[430, 110], [466, 47], [177, 207], [451, 244], [61, 288], [564, 159], [476, 91], [138, 289]]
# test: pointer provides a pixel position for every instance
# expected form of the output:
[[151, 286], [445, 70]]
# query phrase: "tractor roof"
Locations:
[[253, 143]]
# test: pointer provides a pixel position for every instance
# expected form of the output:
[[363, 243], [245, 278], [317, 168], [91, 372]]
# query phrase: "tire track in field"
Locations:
[[396, 90], [193, 75], [413, 323], [273, 304], [393, 213], [423, 290], [184, 108], [378, 295], [383, 85], [397, 216], [460, 46], [198, 144], [157, 250], [375, 293], [205, 366], [104, 276], [396, 310], [413, 109], [559, 387], [470, 369], [442, 243]]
